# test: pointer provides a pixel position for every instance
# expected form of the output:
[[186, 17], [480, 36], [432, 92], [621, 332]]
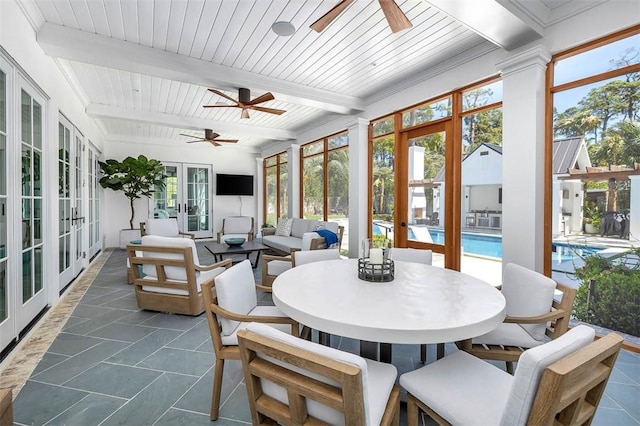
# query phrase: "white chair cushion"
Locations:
[[303, 257], [237, 225], [283, 243], [508, 334], [172, 272], [527, 293], [530, 368], [377, 378], [162, 227], [276, 267], [411, 255], [307, 238], [202, 278], [236, 290], [463, 389], [269, 311]]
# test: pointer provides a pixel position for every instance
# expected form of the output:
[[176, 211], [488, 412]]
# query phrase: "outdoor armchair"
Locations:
[[168, 276], [293, 381], [560, 382], [236, 227], [163, 228], [533, 314], [231, 304]]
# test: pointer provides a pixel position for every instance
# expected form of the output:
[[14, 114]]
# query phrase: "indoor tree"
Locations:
[[136, 177]]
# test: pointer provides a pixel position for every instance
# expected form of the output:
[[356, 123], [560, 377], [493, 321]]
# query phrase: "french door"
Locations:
[[186, 197], [32, 297], [72, 207], [426, 193]]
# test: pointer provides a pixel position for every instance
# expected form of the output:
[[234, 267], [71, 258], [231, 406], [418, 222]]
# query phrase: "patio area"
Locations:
[[96, 359]]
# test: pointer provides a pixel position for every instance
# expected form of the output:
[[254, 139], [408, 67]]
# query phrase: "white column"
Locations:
[[523, 139], [259, 220], [293, 173], [634, 202], [358, 184], [556, 203]]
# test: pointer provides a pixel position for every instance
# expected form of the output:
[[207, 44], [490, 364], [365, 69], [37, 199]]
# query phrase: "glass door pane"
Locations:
[[198, 202]]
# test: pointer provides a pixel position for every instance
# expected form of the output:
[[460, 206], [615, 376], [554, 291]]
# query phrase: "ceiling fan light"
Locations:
[[245, 113], [283, 28]]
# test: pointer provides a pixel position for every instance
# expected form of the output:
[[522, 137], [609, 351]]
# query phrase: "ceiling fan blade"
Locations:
[[212, 136], [396, 18], [199, 140], [221, 94], [260, 99], [269, 110], [227, 140], [332, 14], [214, 143], [190, 136], [221, 106]]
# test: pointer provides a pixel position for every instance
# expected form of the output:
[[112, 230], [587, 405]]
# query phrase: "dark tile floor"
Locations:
[[114, 364]]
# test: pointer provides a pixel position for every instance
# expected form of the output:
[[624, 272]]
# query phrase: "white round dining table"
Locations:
[[423, 304]]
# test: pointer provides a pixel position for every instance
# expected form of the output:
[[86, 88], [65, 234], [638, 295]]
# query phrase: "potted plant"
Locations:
[[592, 218], [135, 177]]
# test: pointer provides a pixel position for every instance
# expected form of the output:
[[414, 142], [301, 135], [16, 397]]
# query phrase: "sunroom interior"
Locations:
[[382, 131]]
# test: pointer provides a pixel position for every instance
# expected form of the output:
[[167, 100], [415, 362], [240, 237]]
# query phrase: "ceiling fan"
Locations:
[[211, 137], [244, 101], [396, 18]]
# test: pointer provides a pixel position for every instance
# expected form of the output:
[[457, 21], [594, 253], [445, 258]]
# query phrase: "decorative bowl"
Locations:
[[235, 241]]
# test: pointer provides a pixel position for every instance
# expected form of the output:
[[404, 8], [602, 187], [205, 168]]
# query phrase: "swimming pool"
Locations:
[[491, 246]]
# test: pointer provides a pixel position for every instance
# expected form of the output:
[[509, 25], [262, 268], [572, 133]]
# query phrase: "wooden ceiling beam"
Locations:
[[82, 46]]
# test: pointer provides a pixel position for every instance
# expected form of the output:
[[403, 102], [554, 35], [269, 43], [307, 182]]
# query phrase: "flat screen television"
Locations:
[[234, 184]]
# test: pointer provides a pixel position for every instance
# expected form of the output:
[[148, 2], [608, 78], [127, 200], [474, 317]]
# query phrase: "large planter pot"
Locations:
[[590, 228], [128, 235]]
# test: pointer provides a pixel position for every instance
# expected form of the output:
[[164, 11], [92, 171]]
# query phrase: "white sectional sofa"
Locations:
[[302, 236]]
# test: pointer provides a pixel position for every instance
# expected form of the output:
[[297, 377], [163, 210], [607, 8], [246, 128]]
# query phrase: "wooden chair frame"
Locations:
[[569, 391], [267, 280], [143, 232], [558, 324], [191, 304], [346, 398], [6, 407], [224, 352]]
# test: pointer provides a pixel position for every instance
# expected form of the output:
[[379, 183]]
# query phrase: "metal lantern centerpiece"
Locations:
[[375, 265]]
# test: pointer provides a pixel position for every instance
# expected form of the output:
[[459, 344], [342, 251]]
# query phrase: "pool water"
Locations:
[[491, 246]]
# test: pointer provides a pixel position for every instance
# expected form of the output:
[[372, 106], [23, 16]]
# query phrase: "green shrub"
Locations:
[[614, 300]]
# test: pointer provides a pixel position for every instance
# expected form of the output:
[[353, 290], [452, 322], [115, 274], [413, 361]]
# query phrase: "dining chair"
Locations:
[[303, 257], [533, 316], [411, 255], [168, 276], [231, 303], [403, 254], [560, 382], [293, 381]]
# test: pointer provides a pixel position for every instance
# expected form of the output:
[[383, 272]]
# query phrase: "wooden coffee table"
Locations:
[[218, 250]]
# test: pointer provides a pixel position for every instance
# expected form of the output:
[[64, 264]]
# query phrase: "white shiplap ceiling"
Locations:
[[143, 67]]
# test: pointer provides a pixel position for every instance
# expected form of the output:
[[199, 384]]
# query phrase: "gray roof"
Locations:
[[565, 154]]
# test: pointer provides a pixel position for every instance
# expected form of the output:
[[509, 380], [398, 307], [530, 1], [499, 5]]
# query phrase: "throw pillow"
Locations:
[[284, 227]]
